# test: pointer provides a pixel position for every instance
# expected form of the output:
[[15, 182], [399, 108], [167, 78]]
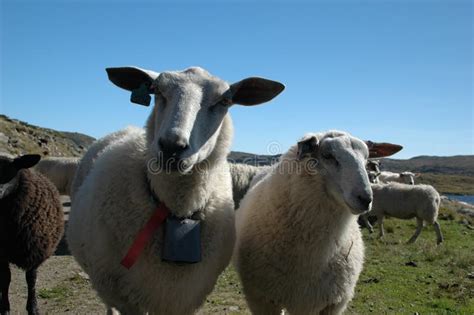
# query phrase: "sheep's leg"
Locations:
[[260, 306], [334, 309], [419, 227], [5, 278], [381, 232], [112, 311], [31, 304], [366, 222], [439, 235]]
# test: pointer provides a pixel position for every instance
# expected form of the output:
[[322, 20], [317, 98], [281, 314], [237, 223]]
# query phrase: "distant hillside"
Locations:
[[454, 165], [252, 159], [18, 137]]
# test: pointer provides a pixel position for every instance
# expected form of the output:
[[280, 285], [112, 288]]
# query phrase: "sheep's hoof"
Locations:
[[371, 231], [411, 241], [439, 242]]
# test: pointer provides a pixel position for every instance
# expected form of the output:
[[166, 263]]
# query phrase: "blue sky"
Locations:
[[396, 71]]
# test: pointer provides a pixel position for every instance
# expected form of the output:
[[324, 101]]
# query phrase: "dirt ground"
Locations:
[[62, 287]]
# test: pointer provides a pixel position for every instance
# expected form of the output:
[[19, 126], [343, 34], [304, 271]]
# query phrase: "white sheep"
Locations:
[[373, 166], [181, 162], [364, 218], [405, 177], [60, 171], [242, 176], [87, 161], [404, 201], [374, 177], [298, 245]]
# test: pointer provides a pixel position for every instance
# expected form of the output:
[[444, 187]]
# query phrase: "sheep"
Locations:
[[404, 201], [405, 177], [96, 148], [374, 177], [178, 165], [60, 171], [373, 165], [298, 244], [242, 175], [364, 219], [31, 224]]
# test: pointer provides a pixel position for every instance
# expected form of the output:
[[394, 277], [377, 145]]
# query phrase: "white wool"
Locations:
[[298, 246], [60, 171], [96, 149]]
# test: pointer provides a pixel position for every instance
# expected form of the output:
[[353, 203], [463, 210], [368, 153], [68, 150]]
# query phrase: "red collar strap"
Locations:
[[144, 235]]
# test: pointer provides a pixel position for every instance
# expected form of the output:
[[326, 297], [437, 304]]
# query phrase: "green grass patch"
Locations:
[[59, 293], [448, 184]]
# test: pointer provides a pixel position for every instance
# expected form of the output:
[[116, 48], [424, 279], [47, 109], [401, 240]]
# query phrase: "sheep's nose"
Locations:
[[172, 148], [364, 200]]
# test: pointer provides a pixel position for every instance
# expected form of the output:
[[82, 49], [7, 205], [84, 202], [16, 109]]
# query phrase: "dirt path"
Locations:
[[62, 288]]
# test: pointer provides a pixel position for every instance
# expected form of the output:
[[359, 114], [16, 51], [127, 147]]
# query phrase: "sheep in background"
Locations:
[[242, 176], [180, 162], [374, 177], [31, 224], [97, 148], [298, 243], [373, 166], [405, 177], [404, 201], [364, 218], [60, 171]]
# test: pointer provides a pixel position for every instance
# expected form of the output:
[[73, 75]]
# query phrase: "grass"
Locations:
[[62, 292], [398, 278], [448, 184]]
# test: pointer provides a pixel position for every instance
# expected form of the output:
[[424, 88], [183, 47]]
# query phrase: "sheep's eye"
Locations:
[[328, 156], [331, 158]]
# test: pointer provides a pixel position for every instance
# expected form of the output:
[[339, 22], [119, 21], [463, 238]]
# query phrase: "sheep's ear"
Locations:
[[382, 149], [307, 147], [136, 80], [26, 161], [254, 91]]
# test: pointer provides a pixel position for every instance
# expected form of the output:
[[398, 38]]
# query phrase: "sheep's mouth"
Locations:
[[177, 165], [356, 210]]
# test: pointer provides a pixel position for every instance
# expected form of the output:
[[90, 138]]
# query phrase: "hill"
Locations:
[[18, 137], [453, 165]]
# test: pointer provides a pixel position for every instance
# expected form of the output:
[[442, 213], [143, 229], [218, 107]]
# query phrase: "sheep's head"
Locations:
[[9, 169], [190, 107], [374, 177], [408, 178], [373, 165], [341, 161]]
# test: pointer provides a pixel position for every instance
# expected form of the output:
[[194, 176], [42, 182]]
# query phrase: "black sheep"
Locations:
[[31, 224]]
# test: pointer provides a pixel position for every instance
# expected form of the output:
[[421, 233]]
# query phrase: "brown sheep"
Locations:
[[31, 224]]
